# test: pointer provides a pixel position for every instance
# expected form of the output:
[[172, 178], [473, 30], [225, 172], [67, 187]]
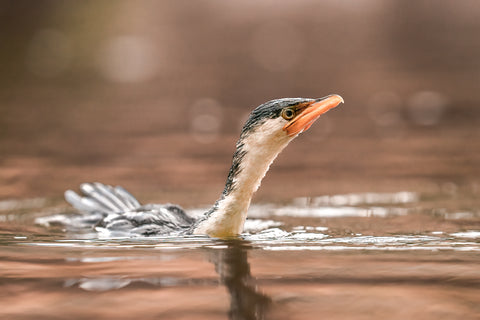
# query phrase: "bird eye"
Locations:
[[288, 113]]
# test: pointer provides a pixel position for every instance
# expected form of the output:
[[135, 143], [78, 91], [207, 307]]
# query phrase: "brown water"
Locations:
[[374, 213], [353, 256]]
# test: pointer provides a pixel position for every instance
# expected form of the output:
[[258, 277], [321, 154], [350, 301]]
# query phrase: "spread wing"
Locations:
[[115, 210], [102, 199]]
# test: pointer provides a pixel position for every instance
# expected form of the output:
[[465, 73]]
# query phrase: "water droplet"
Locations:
[[426, 108], [128, 59], [206, 120]]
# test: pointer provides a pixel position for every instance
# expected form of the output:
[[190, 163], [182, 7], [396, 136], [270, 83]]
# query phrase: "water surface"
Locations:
[[353, 256]]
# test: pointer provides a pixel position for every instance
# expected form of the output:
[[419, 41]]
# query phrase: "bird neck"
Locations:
[[254, 154]]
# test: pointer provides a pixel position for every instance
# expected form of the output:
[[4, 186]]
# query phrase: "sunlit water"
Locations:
[[390, 255]]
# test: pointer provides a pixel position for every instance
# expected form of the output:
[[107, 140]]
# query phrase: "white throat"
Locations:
[[261, 147]]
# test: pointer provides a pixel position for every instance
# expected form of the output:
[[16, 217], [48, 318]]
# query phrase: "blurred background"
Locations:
[[152, 95]]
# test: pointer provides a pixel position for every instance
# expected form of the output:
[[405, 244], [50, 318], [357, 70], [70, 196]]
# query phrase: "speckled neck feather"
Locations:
[[256, 149]]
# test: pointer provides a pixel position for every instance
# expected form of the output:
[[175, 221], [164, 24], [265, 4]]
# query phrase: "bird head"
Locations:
[[289, 117]]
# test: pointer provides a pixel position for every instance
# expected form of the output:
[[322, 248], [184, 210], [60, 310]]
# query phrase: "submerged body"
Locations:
[[268, 130]]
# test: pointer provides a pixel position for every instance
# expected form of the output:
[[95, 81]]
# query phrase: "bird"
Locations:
[[268, 130]]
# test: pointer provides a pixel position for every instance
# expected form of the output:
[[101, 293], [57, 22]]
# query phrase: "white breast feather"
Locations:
[[261, 147]]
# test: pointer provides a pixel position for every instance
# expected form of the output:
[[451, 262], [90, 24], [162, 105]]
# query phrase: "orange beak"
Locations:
[[310, 112]]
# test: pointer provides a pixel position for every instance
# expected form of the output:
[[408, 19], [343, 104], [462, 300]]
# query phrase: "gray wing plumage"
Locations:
[[115, 210], [102, 198]]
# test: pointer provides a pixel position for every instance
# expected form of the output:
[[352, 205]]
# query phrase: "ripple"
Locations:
[[274, 239], [338, 212], [467, 234], [12, 204], [355, 199]]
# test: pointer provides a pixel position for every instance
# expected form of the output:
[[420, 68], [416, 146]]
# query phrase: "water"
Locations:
[[353, 256], [153, 98]]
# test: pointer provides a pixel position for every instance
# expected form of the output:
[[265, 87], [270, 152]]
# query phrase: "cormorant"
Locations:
[[269, 128]]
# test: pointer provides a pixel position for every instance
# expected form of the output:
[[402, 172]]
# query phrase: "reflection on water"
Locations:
[[341, 256], [231, 263]]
